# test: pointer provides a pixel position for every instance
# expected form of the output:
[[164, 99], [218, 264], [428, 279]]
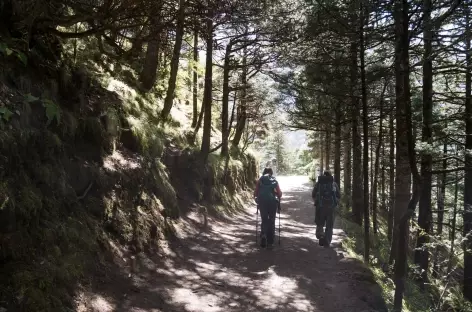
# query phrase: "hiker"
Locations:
[[326, 196], [267, 195]]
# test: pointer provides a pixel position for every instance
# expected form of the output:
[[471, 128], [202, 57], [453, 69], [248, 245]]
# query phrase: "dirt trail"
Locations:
[[222, 269]]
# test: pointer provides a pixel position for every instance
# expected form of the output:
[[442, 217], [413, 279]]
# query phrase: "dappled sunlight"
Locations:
[[219, 267], [117, 161], [98, 303]]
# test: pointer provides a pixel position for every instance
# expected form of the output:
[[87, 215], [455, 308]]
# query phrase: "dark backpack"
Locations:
[[267, 185], [326, 191]]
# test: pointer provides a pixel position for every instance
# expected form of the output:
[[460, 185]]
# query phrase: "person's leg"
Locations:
[[320, 222], [329, 227], [264, 223], [272, 211]]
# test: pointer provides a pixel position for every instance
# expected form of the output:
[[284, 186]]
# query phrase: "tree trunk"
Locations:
[[453, 222], [468, 161], [391, 173], [148, 75], [357, 200], [207, 92], [403, 172], [328, 149], [337, 145], [225, 103], [383, 198], [365, 125], [347, 166], [377, 166], [174, 64], [424, 214], [241, 111], [322, 151], [441, 208], [195, 79]]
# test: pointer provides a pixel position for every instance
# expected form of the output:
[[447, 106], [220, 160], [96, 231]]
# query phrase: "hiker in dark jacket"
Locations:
[[326, 196], [267, 195]]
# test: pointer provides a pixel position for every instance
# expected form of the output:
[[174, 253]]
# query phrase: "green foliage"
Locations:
[[5, 115], [415, 300], [53, 111], [7, 51]]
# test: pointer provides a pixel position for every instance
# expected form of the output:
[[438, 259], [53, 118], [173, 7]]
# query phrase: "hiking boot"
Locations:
[[263, 242], [321, 241]]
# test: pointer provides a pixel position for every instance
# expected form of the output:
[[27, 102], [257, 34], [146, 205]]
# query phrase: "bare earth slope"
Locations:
[[220, 268]]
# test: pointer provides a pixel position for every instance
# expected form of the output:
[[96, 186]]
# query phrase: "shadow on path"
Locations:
[[222, 269]]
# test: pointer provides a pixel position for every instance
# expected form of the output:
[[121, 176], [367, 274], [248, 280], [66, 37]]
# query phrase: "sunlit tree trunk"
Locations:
[[195, 80], [468, 160], [425, 215], [242, 110], [207, 93], [174, 64], [403, 169], [391, 173]]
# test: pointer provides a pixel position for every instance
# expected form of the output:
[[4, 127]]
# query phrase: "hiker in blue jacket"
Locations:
[[267, 195], [326, 196]]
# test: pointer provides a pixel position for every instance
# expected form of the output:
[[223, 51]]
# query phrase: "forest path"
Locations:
[[222, 269]]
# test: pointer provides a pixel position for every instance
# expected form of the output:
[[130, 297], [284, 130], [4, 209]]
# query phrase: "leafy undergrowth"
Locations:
[[86, 175], [415, 299]]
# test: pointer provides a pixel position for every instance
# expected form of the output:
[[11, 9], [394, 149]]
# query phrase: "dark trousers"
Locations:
[[268, 212], [324, 218]]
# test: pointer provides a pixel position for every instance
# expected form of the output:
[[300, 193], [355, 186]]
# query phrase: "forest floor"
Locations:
[[216, 266]]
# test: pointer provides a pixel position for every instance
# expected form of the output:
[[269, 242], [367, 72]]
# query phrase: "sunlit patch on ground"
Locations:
[[222, 268]]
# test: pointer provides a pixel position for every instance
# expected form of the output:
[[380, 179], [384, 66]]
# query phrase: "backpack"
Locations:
[[326, 191], [267, 185]]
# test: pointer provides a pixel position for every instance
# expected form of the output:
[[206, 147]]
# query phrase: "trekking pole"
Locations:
[[279, 222], [257, 221]]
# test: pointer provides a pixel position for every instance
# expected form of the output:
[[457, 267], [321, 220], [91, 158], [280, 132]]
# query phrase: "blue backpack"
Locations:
[[267, 185]]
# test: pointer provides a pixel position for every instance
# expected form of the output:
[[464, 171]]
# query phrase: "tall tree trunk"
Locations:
[[207, 92], [242, 109], [174, 64], [328, 149], [365, 125], [377, 165], [441, 207], [391, 173], [357, 200], [347, 166], [468, 161], [383, 198], [371, 168], [322, 152], [233, 110], [403, 172], [195, 79], [148, 75], [453, 221], [225, 103], [337, 145], [424, 216], [199, 123]]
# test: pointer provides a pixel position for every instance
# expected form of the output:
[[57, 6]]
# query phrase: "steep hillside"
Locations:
[[87, 173]]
